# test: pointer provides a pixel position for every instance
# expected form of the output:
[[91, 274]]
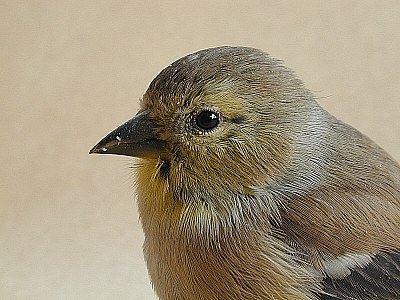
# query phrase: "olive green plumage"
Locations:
[[248, 189]]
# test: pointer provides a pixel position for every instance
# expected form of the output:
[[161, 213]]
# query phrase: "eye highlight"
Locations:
[[206, 120]]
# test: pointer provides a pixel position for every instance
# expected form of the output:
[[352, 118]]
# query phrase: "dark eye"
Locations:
[[206, 120]]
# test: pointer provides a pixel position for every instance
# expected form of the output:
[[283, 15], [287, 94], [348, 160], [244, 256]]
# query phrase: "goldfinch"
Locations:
[[248, 189]]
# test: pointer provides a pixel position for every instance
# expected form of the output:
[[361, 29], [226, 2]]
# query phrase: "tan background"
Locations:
[[71, 71]]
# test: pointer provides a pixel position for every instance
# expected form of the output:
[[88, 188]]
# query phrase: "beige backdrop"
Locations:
[[71, 71]]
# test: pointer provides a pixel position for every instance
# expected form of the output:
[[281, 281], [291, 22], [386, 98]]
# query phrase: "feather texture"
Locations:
[[278, 200]]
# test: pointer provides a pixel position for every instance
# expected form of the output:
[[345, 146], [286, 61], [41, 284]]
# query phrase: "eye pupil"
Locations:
[[207, 120]]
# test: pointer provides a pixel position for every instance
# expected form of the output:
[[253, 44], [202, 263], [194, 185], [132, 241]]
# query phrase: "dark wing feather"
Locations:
[[378, 280]]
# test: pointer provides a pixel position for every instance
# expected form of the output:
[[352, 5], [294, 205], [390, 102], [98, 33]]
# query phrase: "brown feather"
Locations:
[[278, 199]]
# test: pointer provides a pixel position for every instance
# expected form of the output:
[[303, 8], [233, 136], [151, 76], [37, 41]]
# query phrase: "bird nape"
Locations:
[[248, 189]]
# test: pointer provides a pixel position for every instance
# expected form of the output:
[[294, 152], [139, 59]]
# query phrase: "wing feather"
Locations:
[[380, 279]]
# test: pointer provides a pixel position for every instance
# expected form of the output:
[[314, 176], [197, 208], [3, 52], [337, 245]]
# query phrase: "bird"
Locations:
[[248, 189]]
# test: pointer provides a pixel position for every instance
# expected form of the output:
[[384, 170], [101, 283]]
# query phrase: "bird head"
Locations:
[[219, 121]]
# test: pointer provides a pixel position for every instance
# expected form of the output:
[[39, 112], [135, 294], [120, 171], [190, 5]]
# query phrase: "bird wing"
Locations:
[[380, 279]]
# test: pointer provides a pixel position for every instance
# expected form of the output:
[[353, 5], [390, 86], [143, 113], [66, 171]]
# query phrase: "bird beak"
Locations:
[[135, 137]]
